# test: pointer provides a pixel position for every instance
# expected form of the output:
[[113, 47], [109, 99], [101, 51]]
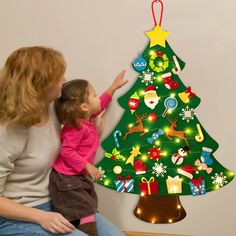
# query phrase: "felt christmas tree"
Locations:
[[159, 149]]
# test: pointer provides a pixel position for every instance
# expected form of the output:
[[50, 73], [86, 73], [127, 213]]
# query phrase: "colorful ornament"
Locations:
[[134, 102], [115, 137], [124, 184], [154, 153], [148, 187], [187, 171], [115, 155], [170, 104], [176, 70], [206, 156], [151, 98], [168, 81], [159, 61], [177, 133], [134, 153], [157, 36], [203, 166], [197, 186], [187, 114], [117, 170], [159, 169], [186, 95], [219, 179], [138, 128], [155, 136], [102, 172], [200, 137], [140, 63], [147, 77], [178, 158], [140, 167], [152, 117], [174, 185]]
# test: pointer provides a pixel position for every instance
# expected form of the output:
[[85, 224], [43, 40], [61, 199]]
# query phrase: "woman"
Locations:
[[30, 81]]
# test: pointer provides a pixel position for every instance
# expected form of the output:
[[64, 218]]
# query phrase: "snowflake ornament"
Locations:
[[219, 179], [187, 114], [147, 77], [102, 172], [159, 169]]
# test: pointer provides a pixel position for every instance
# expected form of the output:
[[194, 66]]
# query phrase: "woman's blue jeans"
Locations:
[[20, 228]]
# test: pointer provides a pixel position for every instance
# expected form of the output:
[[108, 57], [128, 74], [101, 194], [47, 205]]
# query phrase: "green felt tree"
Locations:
[[159, 148]]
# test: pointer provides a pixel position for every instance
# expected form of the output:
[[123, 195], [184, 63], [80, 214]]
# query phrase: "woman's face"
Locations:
[[54, 91]]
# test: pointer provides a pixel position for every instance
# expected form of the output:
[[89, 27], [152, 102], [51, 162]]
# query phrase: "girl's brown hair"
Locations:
[[26, 75], [74, 93]]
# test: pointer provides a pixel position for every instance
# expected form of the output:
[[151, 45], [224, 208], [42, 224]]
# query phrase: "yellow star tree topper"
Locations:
[[157, 37]]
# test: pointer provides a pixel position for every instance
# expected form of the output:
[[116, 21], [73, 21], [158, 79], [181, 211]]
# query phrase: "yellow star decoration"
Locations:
[[135, 152], [157, 37]]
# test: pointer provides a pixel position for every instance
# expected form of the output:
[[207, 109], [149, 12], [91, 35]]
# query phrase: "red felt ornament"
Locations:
[[134, 102], [155, 153], [152, 117]]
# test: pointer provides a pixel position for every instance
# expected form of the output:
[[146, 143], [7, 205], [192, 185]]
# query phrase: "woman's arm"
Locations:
[[50, 221]]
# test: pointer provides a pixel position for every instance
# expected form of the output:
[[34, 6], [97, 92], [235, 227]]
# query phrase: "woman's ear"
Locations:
[[84, 107]]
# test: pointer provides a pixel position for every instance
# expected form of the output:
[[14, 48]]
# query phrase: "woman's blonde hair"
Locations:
[[26, 75], [68, 106]]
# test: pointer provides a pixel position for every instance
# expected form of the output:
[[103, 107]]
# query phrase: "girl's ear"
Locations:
[[84, 107]]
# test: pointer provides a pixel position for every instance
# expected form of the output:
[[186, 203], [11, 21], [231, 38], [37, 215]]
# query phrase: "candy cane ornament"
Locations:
[[200, 137], [176, 70], [117, 132]]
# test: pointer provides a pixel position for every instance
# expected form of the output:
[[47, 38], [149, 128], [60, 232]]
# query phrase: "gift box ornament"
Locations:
[[124, 184], [174, 185], [197, 186], [148, 187]]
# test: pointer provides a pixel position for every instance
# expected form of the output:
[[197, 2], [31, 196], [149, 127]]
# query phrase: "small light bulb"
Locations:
[[177, 140], [188, 131], [170, 220], [159, 78], [172, 95], [139, 211], [106, 182], [142, 194], [144, 157], [158, 143], [153, 221], [130, 125], [179, 206], [151, 53]]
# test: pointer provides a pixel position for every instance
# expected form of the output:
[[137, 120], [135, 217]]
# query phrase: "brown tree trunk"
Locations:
[[159, 209]]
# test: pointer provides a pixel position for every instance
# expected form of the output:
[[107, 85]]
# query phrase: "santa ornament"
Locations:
[[151, 98], [178, 158]]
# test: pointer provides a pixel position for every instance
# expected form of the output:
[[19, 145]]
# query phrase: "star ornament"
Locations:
[[157, 37]]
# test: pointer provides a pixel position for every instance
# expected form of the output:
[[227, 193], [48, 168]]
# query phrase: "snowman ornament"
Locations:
[[178, 158]]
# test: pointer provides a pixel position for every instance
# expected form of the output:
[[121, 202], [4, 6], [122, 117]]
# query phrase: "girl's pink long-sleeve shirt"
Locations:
[[79, 145]]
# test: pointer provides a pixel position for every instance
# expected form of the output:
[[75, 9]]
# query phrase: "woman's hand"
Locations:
[[94, 172], [117, 83], [54, 222]]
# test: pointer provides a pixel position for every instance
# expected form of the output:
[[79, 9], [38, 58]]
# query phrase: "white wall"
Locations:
[[99, 38]]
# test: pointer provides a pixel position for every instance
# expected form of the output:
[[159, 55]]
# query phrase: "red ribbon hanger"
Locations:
[[153, 11]]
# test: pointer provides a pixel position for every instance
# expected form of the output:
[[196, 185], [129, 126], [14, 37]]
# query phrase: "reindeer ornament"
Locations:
[[137, 128], [172, 132]]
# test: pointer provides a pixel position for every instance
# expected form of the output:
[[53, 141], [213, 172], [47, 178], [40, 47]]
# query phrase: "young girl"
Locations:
[[73, 194]]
